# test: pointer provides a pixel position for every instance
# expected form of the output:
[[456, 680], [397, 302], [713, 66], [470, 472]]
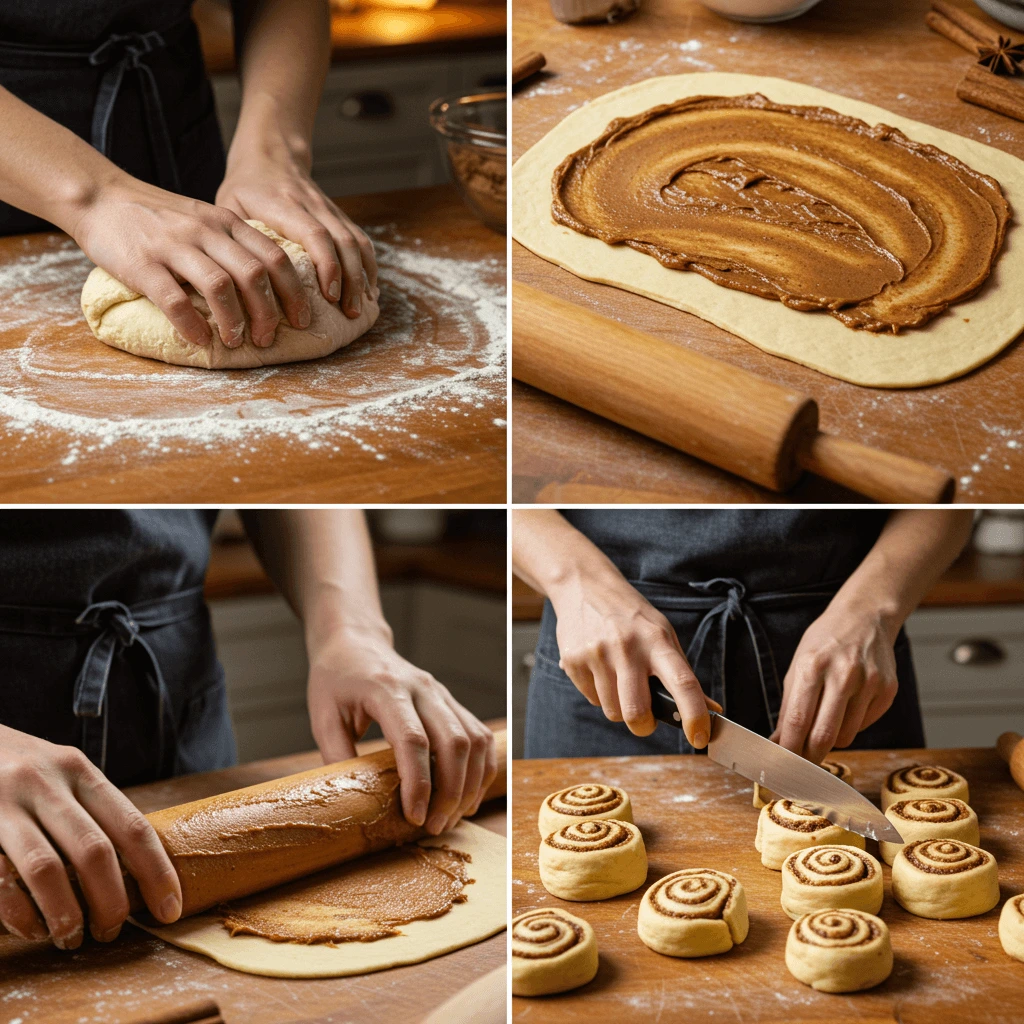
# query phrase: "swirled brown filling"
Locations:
[[585, 839]]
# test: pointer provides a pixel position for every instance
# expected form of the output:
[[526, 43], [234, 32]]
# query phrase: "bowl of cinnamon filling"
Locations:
[[472, 132], [759, 10]]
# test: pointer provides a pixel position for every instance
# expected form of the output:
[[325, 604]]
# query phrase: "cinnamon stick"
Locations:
[[968, 22], [984, 89], [526, 64], [952, 31]]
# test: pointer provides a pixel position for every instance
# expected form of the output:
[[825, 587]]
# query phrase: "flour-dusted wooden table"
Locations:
[[694, 813], [873, 50], [413, 412], [138, 976]]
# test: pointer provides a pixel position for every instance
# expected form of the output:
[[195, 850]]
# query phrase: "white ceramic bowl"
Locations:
[[759, 10], [1009, 12]]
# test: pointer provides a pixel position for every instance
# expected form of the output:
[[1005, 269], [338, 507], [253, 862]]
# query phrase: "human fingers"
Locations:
[[801, 690], [333, 737], [634, 696], [17, 911], [844, 680], [482, 765], [675, 673], [450, 746], [159, 286], [607, 690], [404, 730], [581, 677], [317, 240], [215, 284], [284, 278], [351, 253]]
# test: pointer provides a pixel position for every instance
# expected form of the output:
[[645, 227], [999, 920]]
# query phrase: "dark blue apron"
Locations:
[[125, 75], [106, 641], [739, 587]]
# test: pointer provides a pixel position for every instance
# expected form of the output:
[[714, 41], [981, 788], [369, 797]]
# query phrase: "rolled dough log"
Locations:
[[839, 950], [583, 802], [947, 347], [830, 877], [945, 879], [552, 951], [921, 780], [1011, 927], [783, 827], [593, 860], [126, 320], [482, 915], [929, 818]]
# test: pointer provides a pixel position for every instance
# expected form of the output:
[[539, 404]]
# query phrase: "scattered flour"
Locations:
[[438, 347]]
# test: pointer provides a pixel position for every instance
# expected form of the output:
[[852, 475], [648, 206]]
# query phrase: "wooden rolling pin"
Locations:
[[1011, 749], [719, 413], [526, 64], [247, 840]]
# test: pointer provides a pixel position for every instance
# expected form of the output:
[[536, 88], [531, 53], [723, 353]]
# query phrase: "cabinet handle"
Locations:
[[977, 652], [529, 660], [363, 106]]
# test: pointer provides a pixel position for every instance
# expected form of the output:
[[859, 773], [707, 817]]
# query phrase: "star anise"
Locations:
[[1004, 58]]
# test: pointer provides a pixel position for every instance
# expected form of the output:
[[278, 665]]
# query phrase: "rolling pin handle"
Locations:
[[1007, 744], [883, 476]]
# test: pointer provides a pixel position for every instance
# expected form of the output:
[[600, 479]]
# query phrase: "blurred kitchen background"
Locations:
[[390, 60], [967, 637], [443, 586]]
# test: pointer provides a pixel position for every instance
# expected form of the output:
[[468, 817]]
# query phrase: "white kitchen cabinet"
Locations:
[[371, 132]]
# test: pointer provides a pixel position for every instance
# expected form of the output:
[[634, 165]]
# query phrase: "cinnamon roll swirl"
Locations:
[[930, 818], [1011, 927], [922, 780], [593, 860], [694, 912], [837, 768], [839, 950], [824, 877], [784, 827], [945, 878], [552, 951], [578, 803]]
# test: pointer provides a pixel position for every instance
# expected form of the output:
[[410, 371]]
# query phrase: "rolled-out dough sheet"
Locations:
[[482, 915], [966, 335]]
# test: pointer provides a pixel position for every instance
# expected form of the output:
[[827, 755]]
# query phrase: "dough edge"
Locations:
[[942, 350], [481, 916]]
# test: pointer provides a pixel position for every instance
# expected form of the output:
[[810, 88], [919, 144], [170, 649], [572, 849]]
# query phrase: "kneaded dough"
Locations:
[[945, 348], [830, 877], [593, 860], [126, 320], [693, 912], [784, 827], [930, 818], [552, 951], [923, 780], [1011, 927], [582, 802], [482, 915], [839, 950], [944, 879]]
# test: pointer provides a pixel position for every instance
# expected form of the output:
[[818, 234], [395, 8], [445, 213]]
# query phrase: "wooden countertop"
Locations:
[[138, 975], [973, 579], [693, 813], [873, 50], [235, 571], [81, 422], [371, 32]]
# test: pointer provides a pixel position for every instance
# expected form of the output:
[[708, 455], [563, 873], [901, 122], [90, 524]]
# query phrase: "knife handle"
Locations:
[[663, 707]]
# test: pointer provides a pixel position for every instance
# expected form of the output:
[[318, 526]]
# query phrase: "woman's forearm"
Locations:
[[914, 549], [284, 55], [47, 170]]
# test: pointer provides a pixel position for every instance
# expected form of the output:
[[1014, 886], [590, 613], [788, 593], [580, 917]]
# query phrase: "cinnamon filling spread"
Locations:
[[587, 836], [693, 894], [920, 777], [792, 816], [837, 928], [931, 811], [831, 865], [543, 935], [590, 799], [361, 901], [804, 205], [944, 856]]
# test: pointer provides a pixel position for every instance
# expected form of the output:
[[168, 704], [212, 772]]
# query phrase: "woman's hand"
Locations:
[[153, 240], [274, 186], [611, 640], [356, 677], [841, 679], [53, 802]]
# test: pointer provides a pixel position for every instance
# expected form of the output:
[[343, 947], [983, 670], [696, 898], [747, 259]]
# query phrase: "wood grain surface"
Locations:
[[873, 50], [139, 975], [694, 813], [414, 411]]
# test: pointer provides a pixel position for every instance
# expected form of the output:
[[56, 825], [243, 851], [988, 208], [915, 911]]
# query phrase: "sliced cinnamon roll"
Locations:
[[839, 950], [824, 877], [945, 878], [593, 860], [693, 912], [930, 818], [837, 768], [1011, 927], [784, 827], [578, 803], [921, 780], [552, 951]]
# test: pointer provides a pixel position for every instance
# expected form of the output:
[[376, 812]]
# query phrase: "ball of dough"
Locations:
[[784, 827], [837, 768], [831, 877], [694, 912], [126, 320], [944, 878], [839, 950], [921, 780], [580, 803], [1011, 926], [930, 818], [552, 951], [593, 860]]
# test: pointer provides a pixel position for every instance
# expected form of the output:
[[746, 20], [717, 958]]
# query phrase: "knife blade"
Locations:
[[783, 772]]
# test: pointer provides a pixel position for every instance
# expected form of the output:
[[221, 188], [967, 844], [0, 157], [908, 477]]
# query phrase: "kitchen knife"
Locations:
[[783, 772]]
